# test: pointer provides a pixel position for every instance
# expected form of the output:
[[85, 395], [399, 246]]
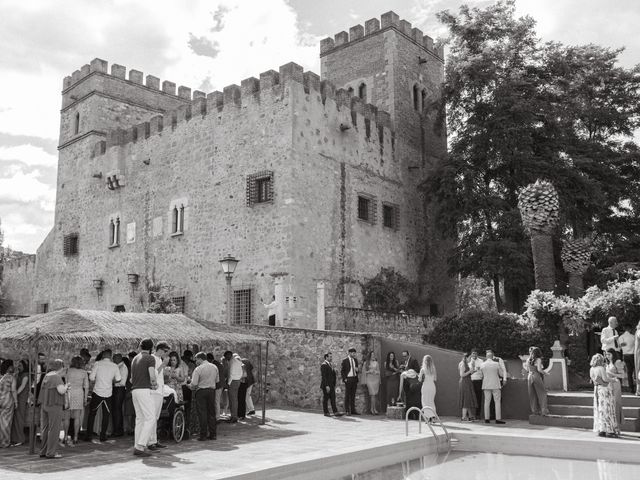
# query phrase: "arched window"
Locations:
[[362, 91], [114, 231], [350, 90], [175, 220], [181, 219], [76, 124], [416, 98], [424, 100]]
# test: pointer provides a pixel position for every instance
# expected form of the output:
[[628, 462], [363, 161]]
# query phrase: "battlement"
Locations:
[[373, 27], [25, 260], [249, 91], [99, 66]]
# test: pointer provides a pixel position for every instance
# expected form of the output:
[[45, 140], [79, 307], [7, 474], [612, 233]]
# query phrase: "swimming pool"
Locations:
[[498, 466]]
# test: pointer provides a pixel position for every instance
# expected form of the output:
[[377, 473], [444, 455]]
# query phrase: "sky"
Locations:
[[203, 44]]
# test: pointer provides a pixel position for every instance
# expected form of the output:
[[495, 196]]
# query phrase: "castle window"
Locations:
[[119, 309], [177, 219], [416, 98], [114, 232], [43, 308], [76, 124], [424, 99], [366, 208], [242, 308], [179, 302], [362, 91], [350, 90], [390, 216], [70, 245], [435, 310], [260, 188]]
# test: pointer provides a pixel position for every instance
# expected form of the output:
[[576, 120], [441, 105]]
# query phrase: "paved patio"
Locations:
[[289, 438]]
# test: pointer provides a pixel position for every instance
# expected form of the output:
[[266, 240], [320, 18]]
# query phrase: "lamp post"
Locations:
[[229, 264]]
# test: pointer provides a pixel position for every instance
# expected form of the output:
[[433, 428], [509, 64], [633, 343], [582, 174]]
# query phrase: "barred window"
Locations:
[[260, 188], [242, 306], [70, 245], [367, 208], [179, 302], [390, 216]]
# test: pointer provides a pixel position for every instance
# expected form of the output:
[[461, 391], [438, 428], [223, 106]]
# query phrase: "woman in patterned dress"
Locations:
[[8, 401], [78, 392], [20, 415], [615, 370], [604, 415]]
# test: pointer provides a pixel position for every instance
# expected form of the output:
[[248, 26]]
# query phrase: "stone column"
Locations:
[[557, 369], [320, 305], [278, 291]]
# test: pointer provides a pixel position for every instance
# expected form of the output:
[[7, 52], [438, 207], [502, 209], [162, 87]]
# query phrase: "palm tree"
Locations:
[[539, 207], [576, 258]]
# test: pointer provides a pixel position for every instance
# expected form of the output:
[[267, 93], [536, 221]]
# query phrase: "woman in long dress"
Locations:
[[8, 401], [78, 382], [466, 396], [615, 370], [372, 370], [428, 376], [392, 378], [535, 383], [604, 415], [636, 357], [20, 415]]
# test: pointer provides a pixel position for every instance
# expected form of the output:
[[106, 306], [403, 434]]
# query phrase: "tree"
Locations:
[[161, 299], [519, 110], [576, 259], [388, 291]]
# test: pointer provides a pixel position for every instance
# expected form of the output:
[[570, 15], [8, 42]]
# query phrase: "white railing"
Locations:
[[427, 421]]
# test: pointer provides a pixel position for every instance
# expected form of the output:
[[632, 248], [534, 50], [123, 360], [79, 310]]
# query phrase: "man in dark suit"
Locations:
[[409, 363], [328, 385], [349, 373]]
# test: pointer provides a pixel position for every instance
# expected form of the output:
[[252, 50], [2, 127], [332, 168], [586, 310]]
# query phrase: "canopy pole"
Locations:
[[32, 422], [265, 389]]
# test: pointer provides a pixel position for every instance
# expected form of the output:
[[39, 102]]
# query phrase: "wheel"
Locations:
[[178, 425]]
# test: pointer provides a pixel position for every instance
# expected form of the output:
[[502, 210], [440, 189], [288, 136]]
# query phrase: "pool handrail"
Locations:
[[438, 421]]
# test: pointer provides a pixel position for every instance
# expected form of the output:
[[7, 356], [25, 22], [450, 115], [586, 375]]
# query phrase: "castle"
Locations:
[[312, 182]]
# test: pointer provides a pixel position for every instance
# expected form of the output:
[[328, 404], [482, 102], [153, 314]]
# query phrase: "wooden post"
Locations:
[[264, 389]]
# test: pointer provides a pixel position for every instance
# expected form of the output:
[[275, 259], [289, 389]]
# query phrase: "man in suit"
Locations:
[[349, 373], [328, 385], [491, 386], [609, 335], [409, 362]]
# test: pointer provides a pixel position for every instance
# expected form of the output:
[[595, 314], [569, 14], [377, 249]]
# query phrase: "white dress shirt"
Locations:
[[607, 340], [105, 373], [477, 363], [124, 374], [627, 342], [235, 368], [353, 369]]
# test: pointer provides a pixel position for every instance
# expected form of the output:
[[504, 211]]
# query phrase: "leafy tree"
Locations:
[[388, 291], [519, 110], [474, 294], [161, 299]]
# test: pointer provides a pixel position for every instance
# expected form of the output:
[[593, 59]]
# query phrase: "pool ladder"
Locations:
[[437, 422]]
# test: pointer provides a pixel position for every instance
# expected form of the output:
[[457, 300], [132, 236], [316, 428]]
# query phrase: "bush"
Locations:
[[504, 333], [620, 299]]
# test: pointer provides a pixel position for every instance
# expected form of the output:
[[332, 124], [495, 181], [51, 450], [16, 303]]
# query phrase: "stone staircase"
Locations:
[[575, 410]]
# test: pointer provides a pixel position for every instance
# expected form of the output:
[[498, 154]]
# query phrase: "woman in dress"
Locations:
[[372, 370], [392, 378], [20, 415], [535, 383], [174, 374], [615, 370], [410, 387], [604, 415], [428, 377], [8, 401], [78, 382], [51, 398], [466, 396]]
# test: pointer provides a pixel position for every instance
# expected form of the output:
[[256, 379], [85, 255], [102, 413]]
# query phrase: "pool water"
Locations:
[[498, 466]]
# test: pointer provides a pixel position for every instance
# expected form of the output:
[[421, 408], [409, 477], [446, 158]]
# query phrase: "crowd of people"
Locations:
[[126, 391]]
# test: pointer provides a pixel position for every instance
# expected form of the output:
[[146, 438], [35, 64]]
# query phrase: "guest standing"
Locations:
[[161, 357], [104, 373], [119, 395], [428, 377], [328, 385], [615, 370], [410, 386], [392, 378], [535, 383], [466, 396], [52, 393], [242, 390], [204, 380], [627, 342], [349, 374], [8, 401], [609, 335], [251, 380], [20, 415], [475, 365], [409, 362], [372, 372], [604, 414], [491, 386], [143, 381], [78, 383], [636, 358], [235, 375]]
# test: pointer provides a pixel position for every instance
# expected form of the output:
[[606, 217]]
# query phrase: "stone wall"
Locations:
[[18, 276], [361, 320]]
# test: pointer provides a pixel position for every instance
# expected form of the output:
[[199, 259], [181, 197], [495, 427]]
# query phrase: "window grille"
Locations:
[[366, 208], [70, 245], [260, 188], [179, 302], [242, 306], [390, 216]]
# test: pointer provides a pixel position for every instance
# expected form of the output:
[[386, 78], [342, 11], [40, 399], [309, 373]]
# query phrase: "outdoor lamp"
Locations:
[[229, 264]]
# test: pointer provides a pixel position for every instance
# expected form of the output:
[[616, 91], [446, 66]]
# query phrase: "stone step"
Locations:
[[587, 410], [586, 398], [579, 421]]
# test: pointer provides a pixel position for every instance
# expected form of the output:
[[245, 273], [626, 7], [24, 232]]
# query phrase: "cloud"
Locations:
[[28, 154], [27, 188], [203, 46]]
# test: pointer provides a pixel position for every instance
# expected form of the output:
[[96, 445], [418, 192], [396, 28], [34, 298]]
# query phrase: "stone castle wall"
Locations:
[[17, 278], [361, 320]]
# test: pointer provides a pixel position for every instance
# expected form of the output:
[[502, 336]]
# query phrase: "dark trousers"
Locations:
[[206, 407], [187, 396], [242, 400], [51, 426], [99, 402], [350, 388], [119, 394], [477, 389], [630, 365], [326, 396]]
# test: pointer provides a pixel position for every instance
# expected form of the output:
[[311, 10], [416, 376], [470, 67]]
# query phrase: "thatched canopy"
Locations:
[[96, 327]]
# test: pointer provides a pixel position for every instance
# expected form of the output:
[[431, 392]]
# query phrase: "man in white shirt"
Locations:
[[491, 386], [104, 373], [271, 310], [475, 364], [627, 342], [609, 336], [235, 375], [162, 360]]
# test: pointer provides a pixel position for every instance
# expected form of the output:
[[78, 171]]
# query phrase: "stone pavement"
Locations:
[[290, 436]]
